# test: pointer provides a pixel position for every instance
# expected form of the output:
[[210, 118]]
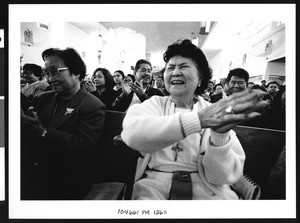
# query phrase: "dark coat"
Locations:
[[107, 97], [122, 102], [59, 165]]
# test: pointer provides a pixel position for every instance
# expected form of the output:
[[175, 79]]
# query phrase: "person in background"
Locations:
[[236, 81], [118, 78], [188, 144], [250, 85], [276, 109], [104, 83], [129, 78], [209, 91], [89, 84], [152, 82], [264, 85], [218, 93], [160, 82], [272, 88], [36, 84], [60, 133], [140, 90]]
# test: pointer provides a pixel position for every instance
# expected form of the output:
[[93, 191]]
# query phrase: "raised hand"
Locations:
[[228, 112], [32, 121], [137, 88]]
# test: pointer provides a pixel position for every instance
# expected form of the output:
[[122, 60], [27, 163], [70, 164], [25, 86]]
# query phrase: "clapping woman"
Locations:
[[185, 139]]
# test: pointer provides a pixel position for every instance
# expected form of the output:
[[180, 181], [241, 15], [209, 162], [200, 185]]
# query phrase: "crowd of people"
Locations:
[[181, 123], [272, 116]]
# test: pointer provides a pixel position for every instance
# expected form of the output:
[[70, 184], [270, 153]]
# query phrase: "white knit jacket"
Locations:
[[149, 126]]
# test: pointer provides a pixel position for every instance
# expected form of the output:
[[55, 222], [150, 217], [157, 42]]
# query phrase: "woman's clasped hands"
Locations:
[[233, 110]]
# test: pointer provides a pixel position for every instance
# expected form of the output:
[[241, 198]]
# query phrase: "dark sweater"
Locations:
[[122, 102]]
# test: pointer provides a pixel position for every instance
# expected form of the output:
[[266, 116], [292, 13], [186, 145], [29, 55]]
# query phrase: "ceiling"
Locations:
[[158, 35]]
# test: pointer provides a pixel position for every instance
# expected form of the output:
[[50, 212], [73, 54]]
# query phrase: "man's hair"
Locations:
[[273, 82], [34, 68], [238, 72], [139, 62], [70, 57], [187, 49]]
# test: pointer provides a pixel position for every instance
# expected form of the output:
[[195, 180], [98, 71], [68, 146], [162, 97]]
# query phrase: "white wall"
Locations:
[[84, 43], [32, 53], [257, 58], [60, 35]]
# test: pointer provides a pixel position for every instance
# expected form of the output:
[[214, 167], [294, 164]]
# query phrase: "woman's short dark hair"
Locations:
[[186, 48], [70, 57], [109, 80], [121, 72], [34, 68]]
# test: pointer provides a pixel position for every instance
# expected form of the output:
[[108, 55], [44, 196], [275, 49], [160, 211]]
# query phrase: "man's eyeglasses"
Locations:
[[240, 83], [53, 72]]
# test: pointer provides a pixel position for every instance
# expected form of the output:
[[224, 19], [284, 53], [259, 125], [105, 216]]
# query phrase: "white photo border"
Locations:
[[19, 209]]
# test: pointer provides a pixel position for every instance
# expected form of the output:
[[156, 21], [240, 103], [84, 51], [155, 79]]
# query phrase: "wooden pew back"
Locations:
[[262, 148]]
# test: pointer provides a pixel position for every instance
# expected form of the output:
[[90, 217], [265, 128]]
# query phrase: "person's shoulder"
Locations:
[[155, 91], [157, 99], [44, 96], [90, 98]]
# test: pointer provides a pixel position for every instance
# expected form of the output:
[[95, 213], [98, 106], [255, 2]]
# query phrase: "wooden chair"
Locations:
[[262, 148], [116, 163]]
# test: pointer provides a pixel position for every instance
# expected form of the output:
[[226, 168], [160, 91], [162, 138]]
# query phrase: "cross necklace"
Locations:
[[177, 149]]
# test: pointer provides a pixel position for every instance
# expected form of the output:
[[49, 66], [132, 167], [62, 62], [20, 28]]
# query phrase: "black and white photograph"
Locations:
[[151, 111]]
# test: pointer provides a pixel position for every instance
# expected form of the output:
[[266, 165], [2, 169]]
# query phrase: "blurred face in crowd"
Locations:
[[159, 82], [250, 85], [236, 84], [128, 80], [144, 74], [181, 77], [118, 78], [59, 77], [272, 89], [99, 79], [219, 89], [29, 76], [210, 87], [263, 83]]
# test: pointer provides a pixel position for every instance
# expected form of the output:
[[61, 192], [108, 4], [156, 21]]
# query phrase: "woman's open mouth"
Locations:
[[177, 82]]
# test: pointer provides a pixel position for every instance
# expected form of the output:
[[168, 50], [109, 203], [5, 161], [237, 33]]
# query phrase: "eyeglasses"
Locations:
[[240, 83], [53, 71]]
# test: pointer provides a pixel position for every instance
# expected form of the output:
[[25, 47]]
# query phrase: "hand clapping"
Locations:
[[228, 112], [32, 121], [137, 88]]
